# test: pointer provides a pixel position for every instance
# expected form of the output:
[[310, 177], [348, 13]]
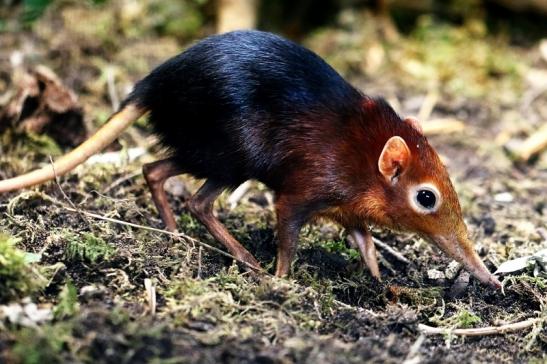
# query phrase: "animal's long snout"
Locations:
[[461, 249]]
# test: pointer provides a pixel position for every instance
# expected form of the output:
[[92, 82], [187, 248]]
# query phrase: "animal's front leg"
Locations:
[[289, 223], [363, 240]]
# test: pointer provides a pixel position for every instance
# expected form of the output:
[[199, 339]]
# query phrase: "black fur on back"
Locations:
[[228, 107]]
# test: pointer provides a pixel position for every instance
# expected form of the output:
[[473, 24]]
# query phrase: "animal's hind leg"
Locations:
[[201, 206], [156, 174]]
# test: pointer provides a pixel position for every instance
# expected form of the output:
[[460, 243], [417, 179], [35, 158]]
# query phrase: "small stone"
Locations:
[[92, 291], [435, 274], [503, 197], [488, 225], [452, 270], [460, 285]]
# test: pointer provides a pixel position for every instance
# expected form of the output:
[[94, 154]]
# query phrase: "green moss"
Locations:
[[339, 246], [462, 319], [41, 346], [189, 224], [465, 319], [88, 247], [539, 281], [17, 276], [423, 296], [68, 304], [459, 59], [29, 143], [176, 18]]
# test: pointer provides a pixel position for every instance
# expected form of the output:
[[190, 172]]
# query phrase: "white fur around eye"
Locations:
[[413, 201]]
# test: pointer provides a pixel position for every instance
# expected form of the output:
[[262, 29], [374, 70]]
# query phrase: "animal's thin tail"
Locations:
[[117, 123]]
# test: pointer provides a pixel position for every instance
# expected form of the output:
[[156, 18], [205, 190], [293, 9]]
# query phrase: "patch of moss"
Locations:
[[232, 302], [68, 304], [465, 319], [42, 346], [339, 246], [189, 224], [17, 276], [88, 247], [459, 59], [462, 319], [14, 143]]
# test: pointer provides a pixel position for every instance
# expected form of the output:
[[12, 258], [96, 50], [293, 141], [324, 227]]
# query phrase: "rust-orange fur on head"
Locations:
[[408, 186]]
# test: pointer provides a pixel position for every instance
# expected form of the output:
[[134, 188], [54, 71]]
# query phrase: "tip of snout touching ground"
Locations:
[[484, 276], [494, 282]]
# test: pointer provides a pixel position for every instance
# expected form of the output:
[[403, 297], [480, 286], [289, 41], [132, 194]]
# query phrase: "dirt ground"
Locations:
[[87, 276]]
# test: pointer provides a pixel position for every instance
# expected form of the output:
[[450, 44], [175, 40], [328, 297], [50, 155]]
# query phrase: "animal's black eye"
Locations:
[[426, 198]]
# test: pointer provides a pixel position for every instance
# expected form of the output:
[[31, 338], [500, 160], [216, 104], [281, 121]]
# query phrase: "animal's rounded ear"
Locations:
[[394, 159], [414, 123]]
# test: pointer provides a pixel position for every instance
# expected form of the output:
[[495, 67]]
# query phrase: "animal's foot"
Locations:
[[249, 261]]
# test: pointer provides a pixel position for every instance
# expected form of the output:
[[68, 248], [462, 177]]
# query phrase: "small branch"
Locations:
[[111, 85], [413, 355], [481, 331], [236, 14], [238, 194], [122, 180], [65, 196], [428, 105], [150, 295], [199, 262], [534, 144], [390, 250]]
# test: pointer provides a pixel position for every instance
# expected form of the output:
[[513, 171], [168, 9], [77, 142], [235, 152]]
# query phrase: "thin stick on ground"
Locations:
[[199, 262], [122, 180], [238, 194], [428, 105], [481, 331], [150, 295], [390, 250], [533, 145], [65, 196]]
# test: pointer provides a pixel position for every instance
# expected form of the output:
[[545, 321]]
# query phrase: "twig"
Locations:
[[238, 194], [390, 250], [111, 85], [65, 196], [150, 295], [121, 180], [428, 105], [481, 331], [534, 144], [413, 355], [199, 262]]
